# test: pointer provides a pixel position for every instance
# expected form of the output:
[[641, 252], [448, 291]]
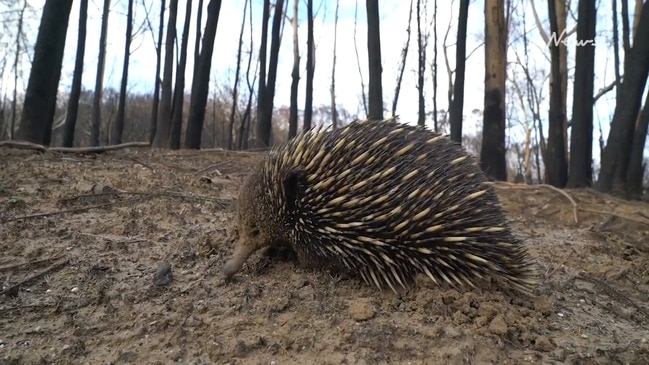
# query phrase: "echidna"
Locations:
[[384, 200]]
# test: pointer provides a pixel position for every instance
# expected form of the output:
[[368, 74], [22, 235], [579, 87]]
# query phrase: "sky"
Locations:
[[394, 21]]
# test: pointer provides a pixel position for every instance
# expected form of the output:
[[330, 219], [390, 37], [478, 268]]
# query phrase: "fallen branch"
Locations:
[[13, 290], [554, 271], [74, 210], [522, 186], [615, 215], [36, 262], [78, 150], [171, 194]]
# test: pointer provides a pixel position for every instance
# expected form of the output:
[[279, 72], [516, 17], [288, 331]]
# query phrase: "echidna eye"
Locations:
[[254, 232]]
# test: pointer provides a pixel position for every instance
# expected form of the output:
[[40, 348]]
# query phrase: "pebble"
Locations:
[[163, 275], [544, 344], [74, 290], [362, 310], [543, 305], [498, 326]]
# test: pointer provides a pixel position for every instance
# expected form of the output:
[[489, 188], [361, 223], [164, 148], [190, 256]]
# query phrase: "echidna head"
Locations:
[[253, 233]]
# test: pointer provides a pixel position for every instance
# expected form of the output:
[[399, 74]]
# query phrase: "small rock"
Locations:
[[543, 343], [362, 310], [498, 326], [543, 305], [74, 290], [451, 332], [280, 304], [163, 275], [559, 354]]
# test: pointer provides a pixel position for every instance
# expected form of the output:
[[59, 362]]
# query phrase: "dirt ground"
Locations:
[[87, 243]]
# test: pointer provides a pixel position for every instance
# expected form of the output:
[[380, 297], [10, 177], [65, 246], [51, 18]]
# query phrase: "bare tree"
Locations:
[[457, 105], [201, 81], [626, 37], [358, 60], [99, 80], [40, 97], [433, 67], [244, 128], [19, 34], [310, 67], [633, 187], [199, 25], [118, 128], [616, 156], [422, 40], [75, 91], [153, 125], [163, 131], [334, 112], [556, 166], [492, 151], [261, 89], [374, 60], [636, 17], [616, 49], [558, 36], [179, 88], [295, 74], [235, 89], [265, 112], [581, 137], [402, 62]]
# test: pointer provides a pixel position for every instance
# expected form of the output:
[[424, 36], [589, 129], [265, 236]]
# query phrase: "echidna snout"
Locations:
[[385, 201]]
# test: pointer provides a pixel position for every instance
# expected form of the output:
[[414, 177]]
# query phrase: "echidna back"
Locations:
[[389, 201]]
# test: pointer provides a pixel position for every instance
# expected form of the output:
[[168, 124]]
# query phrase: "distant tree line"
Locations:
[[244, 114]]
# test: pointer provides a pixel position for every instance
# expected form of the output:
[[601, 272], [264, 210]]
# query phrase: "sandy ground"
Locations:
[[87, 280]]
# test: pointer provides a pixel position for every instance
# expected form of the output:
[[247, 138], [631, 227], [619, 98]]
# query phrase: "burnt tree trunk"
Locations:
[[421, 68], [457, 105], [163, 133], [434, 67], [492, 151], [617, 153], [40, 97], [581, 136], [264, 125], [402, 63], [179, 87], [118, 127], [261, 89], [75, 91], [14, 100], [153, 124], [616, 50], [635, 172], [244, 128], [556, 166], [99, 79], [375, 93], [199, 24], [334, 111], [237, 73], [201, 81], [310, 68], [295, 74]]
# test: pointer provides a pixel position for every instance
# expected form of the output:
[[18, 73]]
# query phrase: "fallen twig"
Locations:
[[614, 214], [35, 262], [562, 192], [73, 210], [13, 290], [551, 273], [77, 150]]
